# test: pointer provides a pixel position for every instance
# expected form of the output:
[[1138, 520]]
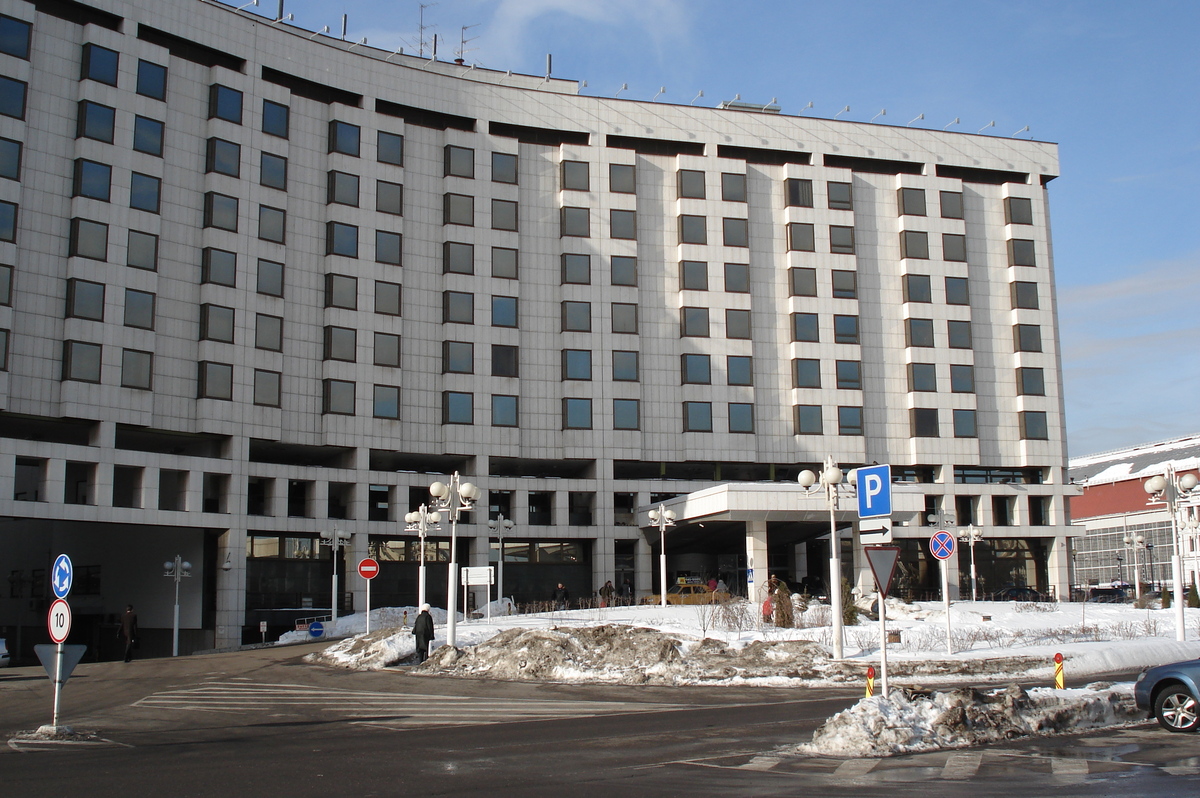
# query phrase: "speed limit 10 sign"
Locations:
[[59, 620]]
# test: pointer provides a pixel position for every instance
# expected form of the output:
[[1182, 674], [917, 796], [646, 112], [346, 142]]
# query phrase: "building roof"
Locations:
[[1136, 462]]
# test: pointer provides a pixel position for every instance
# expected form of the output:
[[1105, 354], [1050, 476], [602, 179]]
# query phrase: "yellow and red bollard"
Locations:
[[1058, 671], [870, 681]]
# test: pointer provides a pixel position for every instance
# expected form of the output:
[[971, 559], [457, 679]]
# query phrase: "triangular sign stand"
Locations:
[[882, 560], [71, 656]]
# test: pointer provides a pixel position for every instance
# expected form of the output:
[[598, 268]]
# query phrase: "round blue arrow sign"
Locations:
[[316, 629], [941, 545], [62, 575]]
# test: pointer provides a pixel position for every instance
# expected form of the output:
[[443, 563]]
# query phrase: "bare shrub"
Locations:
[[1036, 606], [815, 615], [862, 639], [706, 614], [734, 615]]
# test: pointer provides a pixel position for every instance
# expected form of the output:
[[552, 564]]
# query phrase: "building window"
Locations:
[[804, 327], [275, 119], [141, 251], [458, 307], [624, 318], [576, 364], [147, 135], [850, 421], [695, 370], [577, 413], [849, 375], [389, 197], [267, 388], [341, 239], [959, 334], [841, 196], [458, 357], [458, 258], [917, 288], [225, 103], [919, 332], [387, 349], [798, 193], [99, 64], [144, 192], [216, 323], [88, 239], [1027, 337], [1020, 252], [344, 138], [808, 420], [623, 270], [806, 373], [81, 361], [504, 215], [387, 298], [139, 309], [845, 284], [339, 397], [735, 232], [218, 266], [95, 120], [388, 247], [914, 244], [922, 377], [693, 322], [341, 291], [92, 179], [737, 324], [1018, 210], [459, 161], [693, 275], [389, 148], [504, 311], [957, 291], [575, 222], [1033, 426], [622, 178], [741, 417], [216, 380], [10, 159], [15, 35], [504, 168], [504, 263], [577, 316], [954, 247], [458, 209], [221, 211], [458, 408], [1031, 382], [272, 171], [6, 273], [962, 378], [802, 282], [575, 176], [801, 237], [691, 184], [964, 424], [911, 201], [341, 343], [733, 187], [692, 230], [697, 417], [739, 369], [623, 224], [841, 239], [845, 329], [85, 300], [505, 411], [137, 369], [626, 414], [951, 204], [268, 332], [505, 361], [8, 224], [341, 188], [1024, 295], [223, 157], [624, 366], [272, 224], [737, 278], [924, 422]]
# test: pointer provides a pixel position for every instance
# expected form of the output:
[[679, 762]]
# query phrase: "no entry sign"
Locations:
[[368, 568]]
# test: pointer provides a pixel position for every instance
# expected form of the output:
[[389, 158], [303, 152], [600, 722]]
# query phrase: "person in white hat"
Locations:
[[423, 631]]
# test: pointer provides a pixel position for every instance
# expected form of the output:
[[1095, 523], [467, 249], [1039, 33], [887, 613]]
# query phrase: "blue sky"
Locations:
[[1115, 84]]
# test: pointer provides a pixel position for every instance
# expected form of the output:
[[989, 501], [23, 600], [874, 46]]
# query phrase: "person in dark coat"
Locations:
[[423, 631], [606, 594], [561, 597], [128, 631]]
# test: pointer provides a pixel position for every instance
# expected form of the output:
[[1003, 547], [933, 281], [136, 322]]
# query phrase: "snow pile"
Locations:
[[382, 618], [909, 723], [370, 652]]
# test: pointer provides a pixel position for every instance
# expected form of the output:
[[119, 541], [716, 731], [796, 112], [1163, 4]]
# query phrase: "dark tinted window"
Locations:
[[14, 36], [99, 64], [275, 119], [225, 103], [152, 80]]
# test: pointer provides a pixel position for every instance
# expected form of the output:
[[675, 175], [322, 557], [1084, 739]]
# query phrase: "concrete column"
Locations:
[[603, 551], [952, 572], [55, 481], [8, 478], [102, 485], [756, 560], [150, 489], [318, 500], [1058, 567], [231, 589], [643, 575], [193, 491]]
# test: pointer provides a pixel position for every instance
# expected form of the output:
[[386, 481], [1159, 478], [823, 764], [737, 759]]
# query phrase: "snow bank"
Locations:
[[905, 723], [356, 624]]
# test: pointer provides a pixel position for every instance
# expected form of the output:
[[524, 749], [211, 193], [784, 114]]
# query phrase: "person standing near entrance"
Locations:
[[423, 631], [606, 594], [128, 631]]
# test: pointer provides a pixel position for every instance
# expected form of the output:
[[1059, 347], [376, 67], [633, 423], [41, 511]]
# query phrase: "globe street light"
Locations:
[[420, 522], [1168, 489], [501, 525], [335, 540], [1135, 542], [830, 479], [453, 499], [971, 536], [662, 518], [177, 569]]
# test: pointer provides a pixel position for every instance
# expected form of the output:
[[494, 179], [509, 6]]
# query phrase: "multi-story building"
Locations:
[[257, 282]]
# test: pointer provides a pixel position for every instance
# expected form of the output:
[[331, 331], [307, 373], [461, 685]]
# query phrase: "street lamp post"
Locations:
[[420, 521], [1120, 569], [971, 536], [662, 518], [1150, 561], [177, 569], [501, 525], [831, 479], [335, 540], [453, 498], [1168, 489], [1135, 542]]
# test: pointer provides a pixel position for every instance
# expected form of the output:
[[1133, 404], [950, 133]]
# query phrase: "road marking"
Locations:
[[855, 768], [29, 744], [963, 765], [762, 763], [1181, 770], [1069, 771]]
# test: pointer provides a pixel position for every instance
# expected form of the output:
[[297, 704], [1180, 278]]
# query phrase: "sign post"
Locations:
[[479, 575], [368, 569], [882, 560], [942, 546], [59, 623]]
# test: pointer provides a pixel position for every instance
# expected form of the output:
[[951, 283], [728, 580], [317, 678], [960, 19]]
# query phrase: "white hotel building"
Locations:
[[256, 283]]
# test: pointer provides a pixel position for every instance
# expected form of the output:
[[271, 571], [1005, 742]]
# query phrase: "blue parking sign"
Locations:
[[874, 491]]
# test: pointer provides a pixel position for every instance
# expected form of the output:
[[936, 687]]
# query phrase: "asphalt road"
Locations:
[[263, 722]]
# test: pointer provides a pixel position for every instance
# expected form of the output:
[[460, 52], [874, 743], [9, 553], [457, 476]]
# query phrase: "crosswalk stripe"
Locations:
[[853, 768], [1068, 770], [962, 765]]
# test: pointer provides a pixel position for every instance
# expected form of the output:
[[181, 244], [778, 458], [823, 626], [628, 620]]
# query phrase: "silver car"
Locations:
[[1170, 693]]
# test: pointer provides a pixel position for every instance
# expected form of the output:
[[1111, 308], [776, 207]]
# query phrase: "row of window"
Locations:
[[911, 202]]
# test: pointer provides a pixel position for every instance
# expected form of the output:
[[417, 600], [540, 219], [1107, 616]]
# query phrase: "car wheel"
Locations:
[[1176, 710]]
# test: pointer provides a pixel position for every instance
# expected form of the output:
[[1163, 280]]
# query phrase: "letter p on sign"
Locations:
[[874, 491]]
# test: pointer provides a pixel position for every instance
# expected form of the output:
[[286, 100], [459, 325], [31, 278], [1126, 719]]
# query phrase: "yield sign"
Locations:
[[882, 560]]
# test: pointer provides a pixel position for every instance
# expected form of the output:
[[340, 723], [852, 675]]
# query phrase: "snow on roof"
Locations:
[[1136, 462]]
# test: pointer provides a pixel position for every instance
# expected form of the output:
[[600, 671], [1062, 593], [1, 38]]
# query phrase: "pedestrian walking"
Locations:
[[423, 631], [128, 631], [606, 594], [561, 597]]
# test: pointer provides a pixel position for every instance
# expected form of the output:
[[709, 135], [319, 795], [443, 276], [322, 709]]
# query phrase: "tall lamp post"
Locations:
[[662, 518], [501, 525], [1135, 542], [971, 536], [1120, 569], [335, 540], [830, 479], [1168, 489], [1150, 562], [420, 521], [453, 498], [176, 569]]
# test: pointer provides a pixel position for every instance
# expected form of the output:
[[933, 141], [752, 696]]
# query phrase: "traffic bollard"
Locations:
[[1058, 671], [870, 681]]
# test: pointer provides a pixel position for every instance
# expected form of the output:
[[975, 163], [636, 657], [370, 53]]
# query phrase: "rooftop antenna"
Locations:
[[955, 122], [318, 33], [421, 28], [985, 127], [1019, 132], [400, 51], [460, 55], [279, 13], [805, 108], [288, 18], [345, 19], [774, 100], [843, 111], [251, 3], [357, 43], [699, 94], [882, 112], [916, 118], [582, 85], [624, 86], [549, 65], [661, 91]]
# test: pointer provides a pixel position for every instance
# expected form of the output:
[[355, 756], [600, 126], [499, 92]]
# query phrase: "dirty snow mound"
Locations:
[[371, 652], [904, 723]]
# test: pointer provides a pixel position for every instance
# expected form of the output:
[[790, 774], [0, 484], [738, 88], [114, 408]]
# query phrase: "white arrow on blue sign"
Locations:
[[62, 575], [874, 491], [316, 629]]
